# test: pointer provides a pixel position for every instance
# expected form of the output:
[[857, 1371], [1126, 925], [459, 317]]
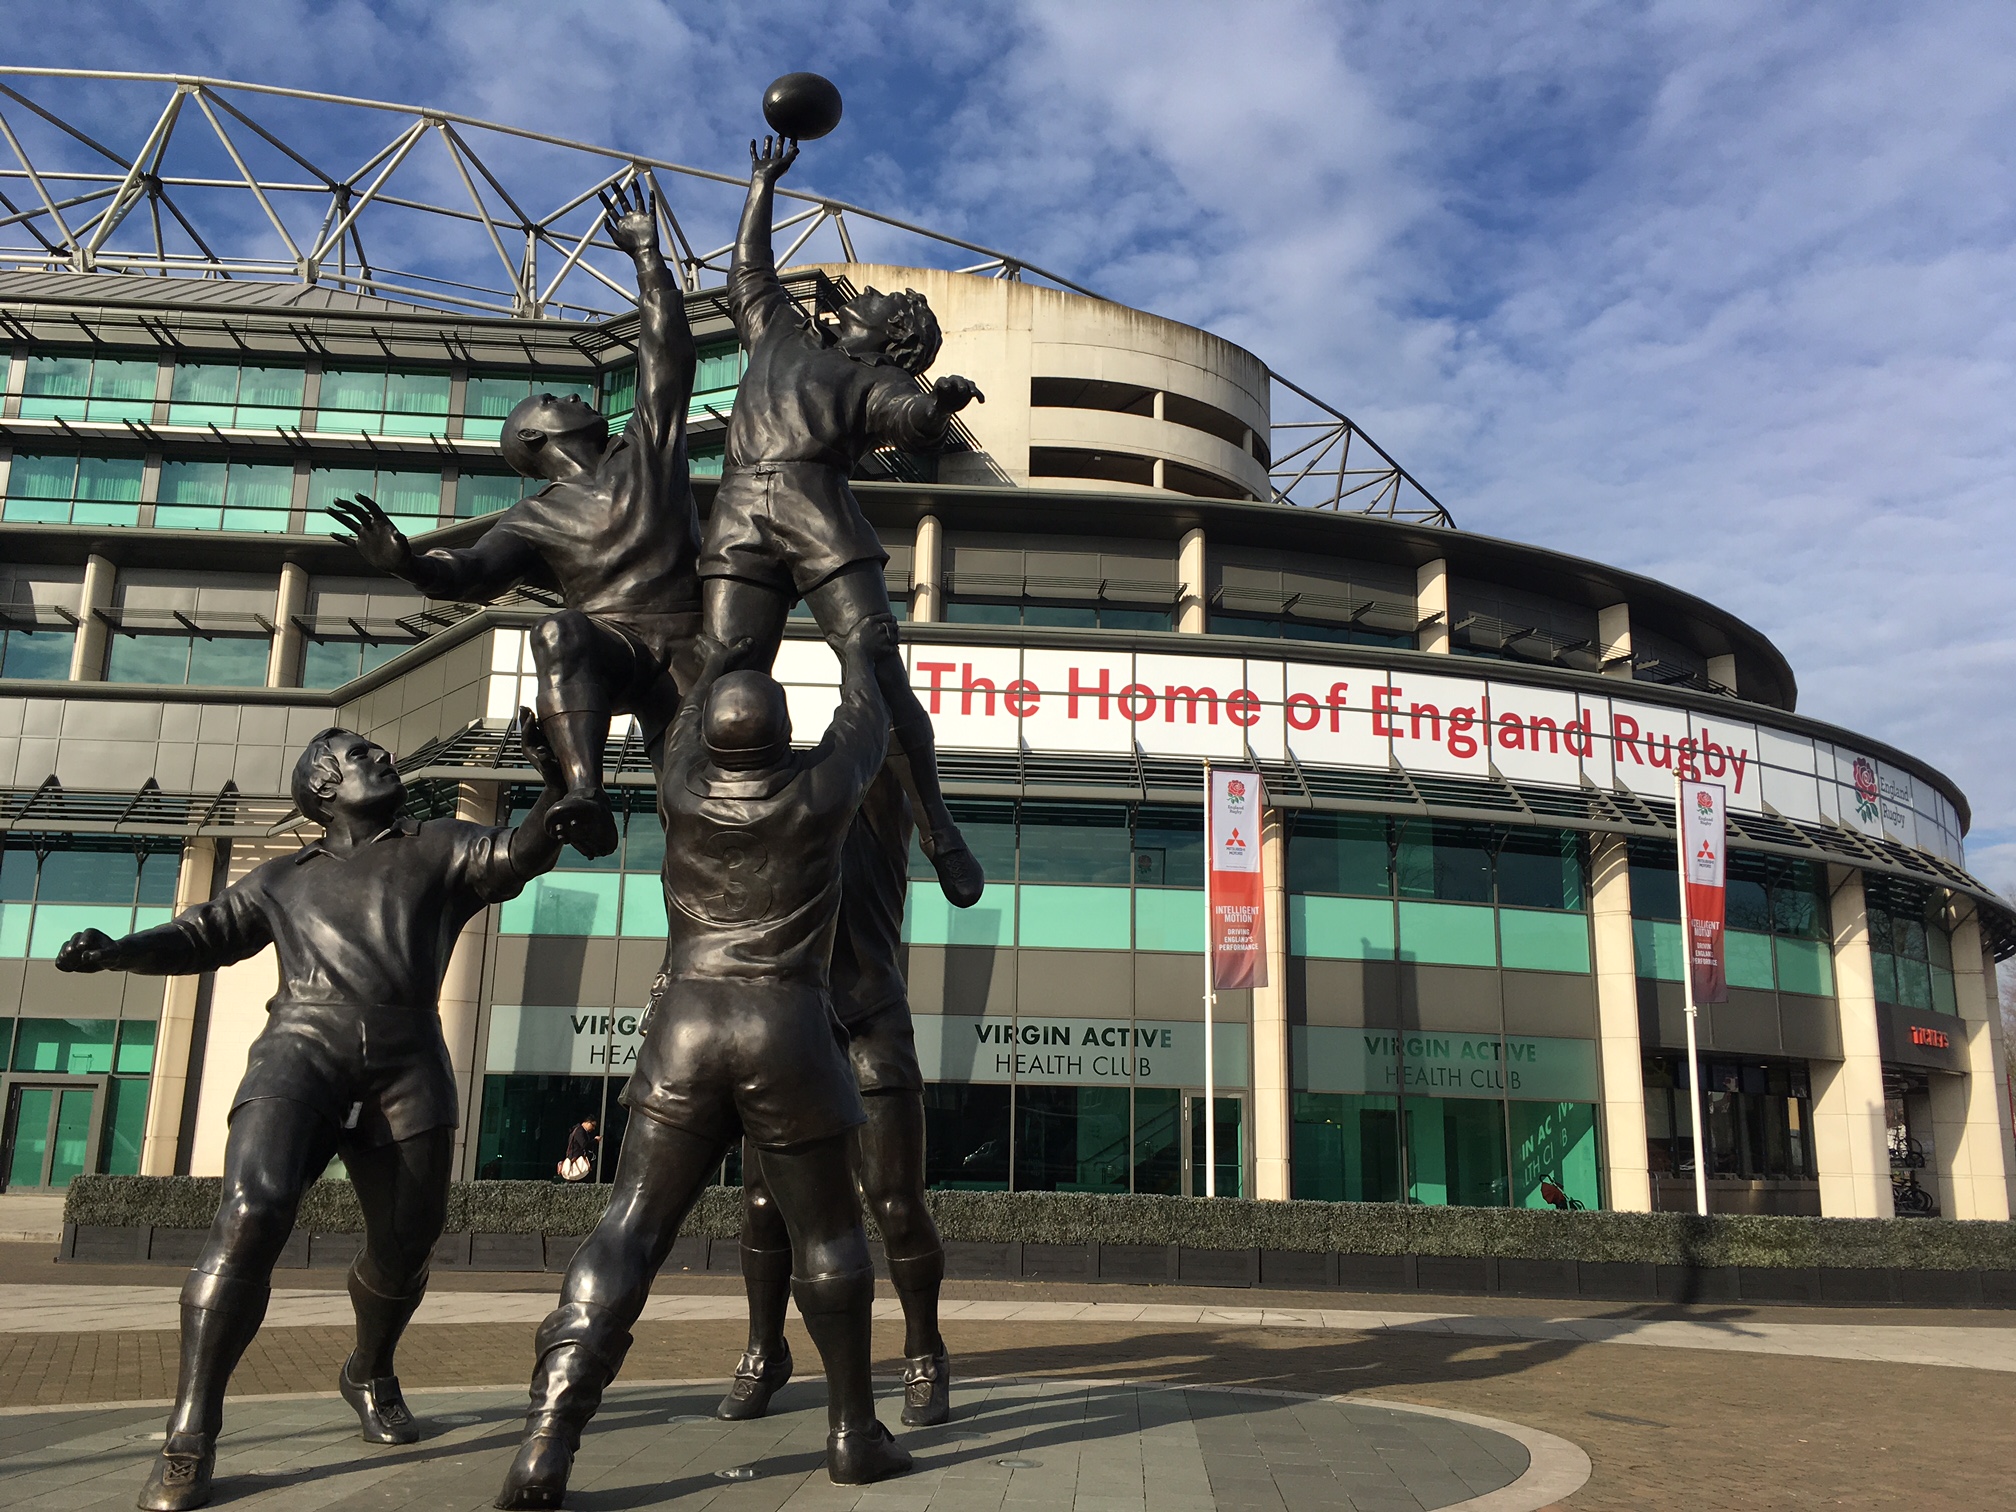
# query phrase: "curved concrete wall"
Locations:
[[1003, 334]]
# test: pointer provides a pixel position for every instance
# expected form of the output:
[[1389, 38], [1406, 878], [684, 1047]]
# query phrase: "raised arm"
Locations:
[[230, 927], [474, 574], [666, 358], [755, 295], [717, 660], [858, 739], [532, 851], [913, 419]]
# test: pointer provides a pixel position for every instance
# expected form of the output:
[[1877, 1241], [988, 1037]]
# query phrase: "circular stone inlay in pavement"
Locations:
[[1114, 1444]]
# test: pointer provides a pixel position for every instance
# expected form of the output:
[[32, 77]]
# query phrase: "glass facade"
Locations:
[[234, 397], [199, 660], [1757, 1115], [38, 651], [1057, 615], [1288, 627], [225, 496], [1777, 924], [84, 386], [383, 402], [1910, 949], [492, 396], [63, 488], [410, 496]]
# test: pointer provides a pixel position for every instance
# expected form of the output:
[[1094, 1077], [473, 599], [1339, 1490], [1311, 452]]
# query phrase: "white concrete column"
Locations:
[[175, 1038], [927, 573], [1850, 1143], [1273, 1094], [283, 660], [1613, 639], [1971, 1153], [1627, 1178], [462, 983], [1431, 600], [1722, 672], [87, 657], [1192, 615]]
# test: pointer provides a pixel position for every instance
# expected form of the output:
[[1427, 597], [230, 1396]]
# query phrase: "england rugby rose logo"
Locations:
[[1866, 798]]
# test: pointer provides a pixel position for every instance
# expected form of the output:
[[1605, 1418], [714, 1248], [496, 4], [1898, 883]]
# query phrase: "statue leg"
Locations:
[[581, 1344], [890, 1161], [581, 666], [275, 1148], [732, 608], [840, 603], [766, 1276], [834, 1285], [403, 1189]]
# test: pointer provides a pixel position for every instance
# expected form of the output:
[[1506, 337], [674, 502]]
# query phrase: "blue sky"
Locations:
[[1715, 292]]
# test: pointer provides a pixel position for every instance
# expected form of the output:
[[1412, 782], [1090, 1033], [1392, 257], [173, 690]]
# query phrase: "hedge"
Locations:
[[1352, 1228]]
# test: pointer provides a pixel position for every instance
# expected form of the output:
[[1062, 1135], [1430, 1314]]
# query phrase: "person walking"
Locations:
[[579, 1162]]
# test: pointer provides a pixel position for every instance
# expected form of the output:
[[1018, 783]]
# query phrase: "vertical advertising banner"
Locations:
[[1238, 932], [1703, 828]]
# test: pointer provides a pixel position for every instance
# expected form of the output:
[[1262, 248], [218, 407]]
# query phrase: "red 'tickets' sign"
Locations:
[[1936, 1038], [1232, 839]]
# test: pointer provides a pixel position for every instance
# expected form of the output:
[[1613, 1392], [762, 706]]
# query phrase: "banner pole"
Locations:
[[1687, 990], [1210, 1001]]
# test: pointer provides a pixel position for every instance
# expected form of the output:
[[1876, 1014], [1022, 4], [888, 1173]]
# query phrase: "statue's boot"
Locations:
[[927, 1376], [580, 1350], [583, 816], [180, 1478], [220, 1316], [366, 1380], [837, 1310], [960, 876], [766, 1364], [757, 1378]]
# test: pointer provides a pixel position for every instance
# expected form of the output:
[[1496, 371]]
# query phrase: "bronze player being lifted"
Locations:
[[615, 529], [351, 1061], [873, 1005], [785, 525], [740, 1041]]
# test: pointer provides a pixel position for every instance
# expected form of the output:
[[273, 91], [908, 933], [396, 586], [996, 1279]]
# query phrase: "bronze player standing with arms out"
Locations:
[[615, 529], [785, 525]]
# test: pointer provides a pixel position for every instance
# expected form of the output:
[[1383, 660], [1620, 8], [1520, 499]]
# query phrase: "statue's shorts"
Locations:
[[727, 1057], [623, 668], [882, 1045], [786, 525], [379, 1072]]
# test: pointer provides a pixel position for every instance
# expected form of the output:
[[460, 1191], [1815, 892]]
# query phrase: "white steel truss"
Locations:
[[436, 215]]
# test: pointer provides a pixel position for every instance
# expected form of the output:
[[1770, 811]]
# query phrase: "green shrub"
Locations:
[[1352, 1228]]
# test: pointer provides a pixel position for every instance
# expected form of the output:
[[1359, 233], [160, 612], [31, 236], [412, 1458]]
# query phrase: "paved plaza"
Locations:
[[1103, 1398]]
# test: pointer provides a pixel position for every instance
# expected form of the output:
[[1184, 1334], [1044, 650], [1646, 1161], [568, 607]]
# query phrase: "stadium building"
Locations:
[[1145, 550]]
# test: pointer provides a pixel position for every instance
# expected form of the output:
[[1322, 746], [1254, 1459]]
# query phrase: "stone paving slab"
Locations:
[[32, 1309], [1086, 1446]]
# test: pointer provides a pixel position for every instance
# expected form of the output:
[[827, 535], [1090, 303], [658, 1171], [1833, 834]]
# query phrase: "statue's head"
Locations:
[[554, 435], [339, 771], [746, 723], [900, 327]]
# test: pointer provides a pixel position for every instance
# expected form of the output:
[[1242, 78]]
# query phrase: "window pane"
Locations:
[[929, 920], [202, 383], [1456, 1152], [416, 404], [108, 491], [1333, 854], [1447, 934], [1538, 941], [962, 613], [43, 654], [158, 873], [123, 379], [1803, 966], [329, 663], [1346, 1148], [351, 400], [1061, 616], [565, 903], [1169, 918], [1071, 1139], [136, 1047], [1079, 843], [1657, 946], [966, 1136], [1446, 861], [493, 397], [270, 396], [85, 876], [719, 368], [1554, 1146], [486, 493], [125, 1126], [1748, 955], [141, 658], [1075, 918], [413, 497], [228, 661], [1158, 1141], [1133, 619], [1340, 929], [260, 498], [1168, 848], [73, 1047], [66, 377], [192, 496], [526, 1121], [40, 475], [619, 392], [1540, 869], [377, 653], [1799, 902]]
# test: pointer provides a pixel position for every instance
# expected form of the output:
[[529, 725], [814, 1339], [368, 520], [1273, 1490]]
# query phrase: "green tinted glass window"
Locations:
[[135, 1056], [1448, 934], [125, 1126], [487, 493], [1540, 869], [1554, 1156], [1168, 848], [73, 1047], [1748, 956], [1656, 943], [1655, 882], [929, 920], [37, 653], [1334, 853], [88, 876], [1168, 918], [1346, 1148], [1803, 966], [1532, 940], [1075, 918], [1450, 862], [1340, 929], [1088, 842]]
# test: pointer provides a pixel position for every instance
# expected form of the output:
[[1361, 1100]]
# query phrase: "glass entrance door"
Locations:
[[1231, 1142], [47, 1137]]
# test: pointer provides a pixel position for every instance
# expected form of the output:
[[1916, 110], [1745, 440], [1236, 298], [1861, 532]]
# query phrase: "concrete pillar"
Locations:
[[1850, 1142], [927, 573], [1722, 672], [1613, 639], [87, 657], [175, 1039], [1192, 612], [283, 660], [1273, 1094], [1431, 601], [1971, 1155], [1627, 1179], [462, 984]]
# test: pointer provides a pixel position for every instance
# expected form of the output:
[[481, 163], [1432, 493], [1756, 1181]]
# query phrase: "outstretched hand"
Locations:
[[954, 393], [88, 950], [539, 750], [376, 538], [632, 223], [768, 163]]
